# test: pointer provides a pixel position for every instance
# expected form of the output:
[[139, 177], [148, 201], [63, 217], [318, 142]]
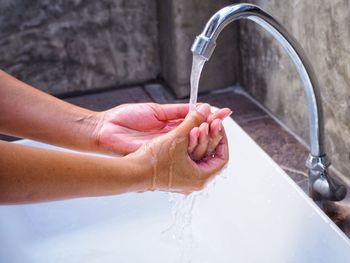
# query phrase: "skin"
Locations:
[[29, 113], [174, 170], [125, 128], [151, 136]]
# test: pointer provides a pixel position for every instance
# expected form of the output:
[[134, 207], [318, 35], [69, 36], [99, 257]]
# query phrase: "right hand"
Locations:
[[171, 165]]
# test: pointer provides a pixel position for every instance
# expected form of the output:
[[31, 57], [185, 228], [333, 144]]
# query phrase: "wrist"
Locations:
[[91, 125], [143, 166]]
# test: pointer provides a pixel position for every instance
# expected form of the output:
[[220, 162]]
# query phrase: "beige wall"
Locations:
[[322, 28]]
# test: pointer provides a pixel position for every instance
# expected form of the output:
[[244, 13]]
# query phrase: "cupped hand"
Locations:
[[125, 128], [204, 139], [172, 168]]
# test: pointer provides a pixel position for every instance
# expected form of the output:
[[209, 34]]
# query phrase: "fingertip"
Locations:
[[202, 144], [219, 114], [215, 127], [220, 126], [204, 129], [227, 111], [203, 109], [193, 119], [193, 139]]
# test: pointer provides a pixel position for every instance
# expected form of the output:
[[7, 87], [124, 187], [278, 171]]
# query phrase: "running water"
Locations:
[[182, 211], [181, 228], [197, 66], [183, 205]]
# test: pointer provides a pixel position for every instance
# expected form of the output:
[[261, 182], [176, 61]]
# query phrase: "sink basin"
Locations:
[[256, 214]]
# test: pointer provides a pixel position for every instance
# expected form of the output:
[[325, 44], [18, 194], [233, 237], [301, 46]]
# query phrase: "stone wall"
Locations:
[[64, 46], [322, 28], [69, 46], [180, 22]]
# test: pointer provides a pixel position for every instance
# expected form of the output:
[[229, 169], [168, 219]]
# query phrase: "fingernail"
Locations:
[[206, 129], [220, 126], [203, 109], [228, 114]]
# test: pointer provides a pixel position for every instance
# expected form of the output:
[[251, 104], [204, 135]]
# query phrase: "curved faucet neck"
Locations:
[[205, 43], [321, 185]]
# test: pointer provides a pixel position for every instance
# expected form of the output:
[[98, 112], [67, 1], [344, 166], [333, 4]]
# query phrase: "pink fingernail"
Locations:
[[228, 114]]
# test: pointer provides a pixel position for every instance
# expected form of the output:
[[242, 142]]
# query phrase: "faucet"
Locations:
[[321, 185]]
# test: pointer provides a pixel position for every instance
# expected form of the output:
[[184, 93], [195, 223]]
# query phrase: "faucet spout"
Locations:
[[321, 185]]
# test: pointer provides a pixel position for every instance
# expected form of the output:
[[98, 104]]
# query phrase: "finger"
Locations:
[[214, 135], [166, 112], [221, 151], [193, 141], [203, 140], [193, 119], [211, 165], [219, 114]]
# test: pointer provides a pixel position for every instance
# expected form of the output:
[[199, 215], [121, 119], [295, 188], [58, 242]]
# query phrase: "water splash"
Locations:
[[183, 208], [181, 228]]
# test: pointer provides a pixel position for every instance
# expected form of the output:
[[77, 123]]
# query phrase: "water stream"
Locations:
[[182, 210], [197, 66]]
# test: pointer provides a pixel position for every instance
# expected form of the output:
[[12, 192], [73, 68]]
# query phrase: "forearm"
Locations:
[[29, 113], [32, 175]]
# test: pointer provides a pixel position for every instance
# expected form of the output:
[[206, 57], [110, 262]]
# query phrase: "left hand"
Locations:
[[167, 159], [125, 128]]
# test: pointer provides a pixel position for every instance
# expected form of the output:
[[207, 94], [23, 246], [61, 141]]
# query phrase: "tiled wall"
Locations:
[[322, 28]]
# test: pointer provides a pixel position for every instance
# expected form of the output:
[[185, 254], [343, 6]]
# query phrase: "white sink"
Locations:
[[257, 214]]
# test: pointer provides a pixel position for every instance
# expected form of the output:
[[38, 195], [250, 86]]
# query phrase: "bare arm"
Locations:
[[29, 113], [30, 175]]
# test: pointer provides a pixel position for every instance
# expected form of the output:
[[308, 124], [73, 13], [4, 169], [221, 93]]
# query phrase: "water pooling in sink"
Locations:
[[182, 209]]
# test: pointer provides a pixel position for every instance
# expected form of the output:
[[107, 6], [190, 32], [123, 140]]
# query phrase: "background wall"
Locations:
[[180, 22], [322, 28], [64, 46], [71, 46]]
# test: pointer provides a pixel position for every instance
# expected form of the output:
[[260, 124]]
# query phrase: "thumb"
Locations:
[[194, 119]]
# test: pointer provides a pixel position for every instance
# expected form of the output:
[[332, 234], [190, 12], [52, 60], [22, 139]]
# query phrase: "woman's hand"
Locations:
[[204, 139], [170, 164], [30, 113], [125, 128]]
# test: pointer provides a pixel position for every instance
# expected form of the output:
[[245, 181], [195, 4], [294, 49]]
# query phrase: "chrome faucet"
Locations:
[[321, 185]]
